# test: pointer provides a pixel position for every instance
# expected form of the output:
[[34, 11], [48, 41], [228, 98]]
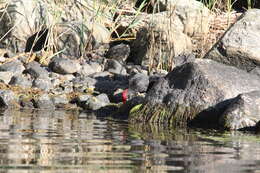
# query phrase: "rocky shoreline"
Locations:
[[220, 90]]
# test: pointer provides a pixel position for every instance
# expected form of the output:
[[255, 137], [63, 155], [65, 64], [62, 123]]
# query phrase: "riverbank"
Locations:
[[161, 67]]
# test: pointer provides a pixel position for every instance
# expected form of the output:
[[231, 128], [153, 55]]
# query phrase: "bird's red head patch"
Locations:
[[125, 95]]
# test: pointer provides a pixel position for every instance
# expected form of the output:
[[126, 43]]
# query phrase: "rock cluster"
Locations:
[[88, 71]]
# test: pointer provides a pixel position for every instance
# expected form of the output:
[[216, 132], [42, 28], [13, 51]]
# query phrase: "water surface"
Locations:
[[48, 142]]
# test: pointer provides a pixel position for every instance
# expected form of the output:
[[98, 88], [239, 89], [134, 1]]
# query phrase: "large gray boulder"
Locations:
[[243, 111], [26, 20], [240, 46], [198, 90], [21, 19]]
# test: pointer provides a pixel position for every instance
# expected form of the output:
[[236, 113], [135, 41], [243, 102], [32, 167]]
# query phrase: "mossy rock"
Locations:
[[178, 115]]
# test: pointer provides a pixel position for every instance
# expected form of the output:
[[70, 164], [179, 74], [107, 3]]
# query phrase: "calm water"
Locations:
[[49, 142]]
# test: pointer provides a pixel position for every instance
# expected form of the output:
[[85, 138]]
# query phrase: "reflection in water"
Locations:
[[59, 141]]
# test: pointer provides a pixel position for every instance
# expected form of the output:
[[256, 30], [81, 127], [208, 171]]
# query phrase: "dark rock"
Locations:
[[44, 84], [139, 82], [97, 102], [196, 91], [6, 76], [21, 80], [114, 66], [139, 47], [15, 66], [64, 66], [8, 99], [118, 52], [36, 71], [243, 111], [44, 102], [108, 86]]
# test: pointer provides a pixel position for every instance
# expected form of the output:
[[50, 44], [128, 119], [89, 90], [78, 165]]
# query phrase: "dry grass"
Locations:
[[219, 24]]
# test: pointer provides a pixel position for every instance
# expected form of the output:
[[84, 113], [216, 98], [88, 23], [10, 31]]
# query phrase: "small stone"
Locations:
[[87, 69], [21, 80], [64, 66], [114, 66], [139, 82], [96, 66], [26, 102], [83, 83], [44, 102], [16, 67], [44, 84], [6, 76], [7, 99], [118, 52], [60, 99], [36, 71], [83, 98], [98, 102]]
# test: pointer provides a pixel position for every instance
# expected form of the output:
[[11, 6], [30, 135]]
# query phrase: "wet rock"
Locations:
[[21, 80], [196, 91], [113, 66], [97, 102], [139, 82], [16, 67], [26, 102], [240, 45], [125, 109], [6, 76], [36, 71], [243, 111], [8, 99], [118, 52], [44, 84], [44, 102], [64, 66]]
